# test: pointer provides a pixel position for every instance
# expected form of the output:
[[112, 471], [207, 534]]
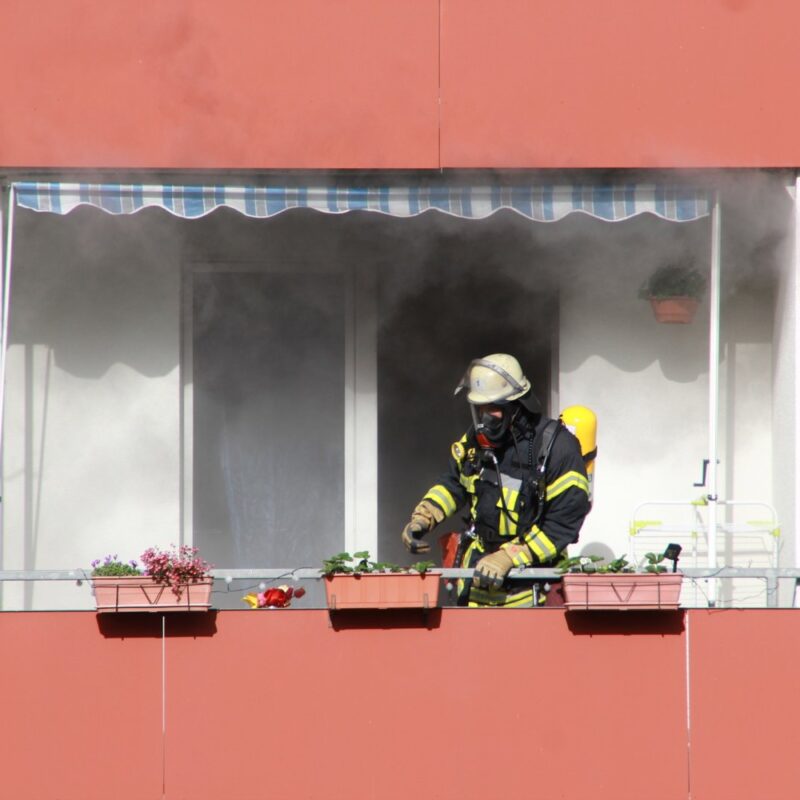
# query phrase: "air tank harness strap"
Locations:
[[551, 431]]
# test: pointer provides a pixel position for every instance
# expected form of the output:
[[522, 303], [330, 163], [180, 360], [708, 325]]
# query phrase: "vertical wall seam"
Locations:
[[688, 707], [439, 89], [796, 361], [163, 706]]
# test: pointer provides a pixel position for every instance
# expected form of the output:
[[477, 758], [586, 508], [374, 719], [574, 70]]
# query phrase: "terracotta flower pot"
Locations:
[[383, 590], [622, 590], [674, 309], [140, 593]]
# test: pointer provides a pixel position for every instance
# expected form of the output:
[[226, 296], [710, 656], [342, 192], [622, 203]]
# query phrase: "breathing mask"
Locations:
[[491, 430]]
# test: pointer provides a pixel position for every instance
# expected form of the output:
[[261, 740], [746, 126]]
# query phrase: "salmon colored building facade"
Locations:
[[429, 84], [696, 704]]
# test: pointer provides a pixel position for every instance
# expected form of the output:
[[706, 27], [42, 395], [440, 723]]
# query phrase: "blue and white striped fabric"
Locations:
[[540, 203]]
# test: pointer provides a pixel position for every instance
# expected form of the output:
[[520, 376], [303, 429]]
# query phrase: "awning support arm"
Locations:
[[713, 390], [6, 307]]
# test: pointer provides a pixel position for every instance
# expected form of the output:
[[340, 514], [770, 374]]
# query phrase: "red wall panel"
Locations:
[[685, 83], [303, 710], [478, 703], [207, 84], [81, 712], [261, 84], [272, 704], [745, 704]]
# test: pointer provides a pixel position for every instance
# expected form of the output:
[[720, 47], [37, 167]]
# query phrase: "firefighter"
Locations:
[[523, 479]]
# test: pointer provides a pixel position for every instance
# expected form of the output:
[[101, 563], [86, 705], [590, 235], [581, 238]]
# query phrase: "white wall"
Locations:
[[649, 382], [91, 457]]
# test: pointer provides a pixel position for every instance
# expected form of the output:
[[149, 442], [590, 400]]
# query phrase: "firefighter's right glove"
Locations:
[[491, 570], [423, 518]]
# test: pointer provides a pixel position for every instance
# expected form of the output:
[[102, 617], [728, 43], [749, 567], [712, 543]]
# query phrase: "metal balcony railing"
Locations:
[[778, 585]]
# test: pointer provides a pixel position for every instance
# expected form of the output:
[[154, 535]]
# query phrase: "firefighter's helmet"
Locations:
[[496, 380]]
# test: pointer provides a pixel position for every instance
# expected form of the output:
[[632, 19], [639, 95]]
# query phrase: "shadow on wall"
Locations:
[[626, 623], [98, 289], [600, 283], [149, 625]]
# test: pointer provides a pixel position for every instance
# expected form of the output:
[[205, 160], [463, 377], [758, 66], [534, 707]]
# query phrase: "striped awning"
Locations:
[[541, 203]]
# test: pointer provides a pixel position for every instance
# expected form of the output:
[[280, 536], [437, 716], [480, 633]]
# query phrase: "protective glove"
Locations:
[[491, 570], [423, 518], [411, 538]]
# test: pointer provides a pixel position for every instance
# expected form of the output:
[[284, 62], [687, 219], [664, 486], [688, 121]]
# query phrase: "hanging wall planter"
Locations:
[[140, 593], [174, 580], [383, 590], [622, 591], [590, 584], [674, 291], [674, 309], [370, 584]]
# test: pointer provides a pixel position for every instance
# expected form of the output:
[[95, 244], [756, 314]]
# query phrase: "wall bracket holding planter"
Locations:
[[141, 593]]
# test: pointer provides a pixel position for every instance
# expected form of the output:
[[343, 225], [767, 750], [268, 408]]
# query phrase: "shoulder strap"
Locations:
[[551, 431], [548, 437]]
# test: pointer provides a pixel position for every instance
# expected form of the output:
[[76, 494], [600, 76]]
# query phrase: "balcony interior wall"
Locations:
[[605, 704]]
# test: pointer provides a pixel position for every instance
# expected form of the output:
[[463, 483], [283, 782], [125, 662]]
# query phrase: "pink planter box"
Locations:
[[383, 590], [622, 590], [140, 593]]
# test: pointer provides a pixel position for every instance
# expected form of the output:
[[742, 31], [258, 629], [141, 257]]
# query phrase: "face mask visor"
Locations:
[[491, 430]]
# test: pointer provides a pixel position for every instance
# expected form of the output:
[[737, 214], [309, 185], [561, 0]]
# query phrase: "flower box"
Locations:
[[141, 593], [672, 310], [383, 590], [622, 590]]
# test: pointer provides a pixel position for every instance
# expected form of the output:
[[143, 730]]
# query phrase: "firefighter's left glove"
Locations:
[[424, 517], [491, 570]]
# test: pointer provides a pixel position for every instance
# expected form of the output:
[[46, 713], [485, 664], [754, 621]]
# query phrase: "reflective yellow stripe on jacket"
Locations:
[[540, 543], [443, 498], [507, 524], [566, 481], [479, 598]]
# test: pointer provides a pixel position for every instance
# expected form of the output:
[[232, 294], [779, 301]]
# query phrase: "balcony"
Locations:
[[393, 704]]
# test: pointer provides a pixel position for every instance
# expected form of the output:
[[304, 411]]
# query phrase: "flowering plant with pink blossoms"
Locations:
[[175, 567]]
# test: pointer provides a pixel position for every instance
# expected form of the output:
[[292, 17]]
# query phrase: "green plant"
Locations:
[[360, 564], [592, 565], [676, 279], [112, 567], [654, 562]]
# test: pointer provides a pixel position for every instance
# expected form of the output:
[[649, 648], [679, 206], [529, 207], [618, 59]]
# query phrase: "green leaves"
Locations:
[[590, 565], [340, 565], [677, 279], [112, 567], [654, 562]]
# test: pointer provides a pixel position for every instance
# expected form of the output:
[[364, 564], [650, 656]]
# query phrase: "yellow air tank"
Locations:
[[582, 422]]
